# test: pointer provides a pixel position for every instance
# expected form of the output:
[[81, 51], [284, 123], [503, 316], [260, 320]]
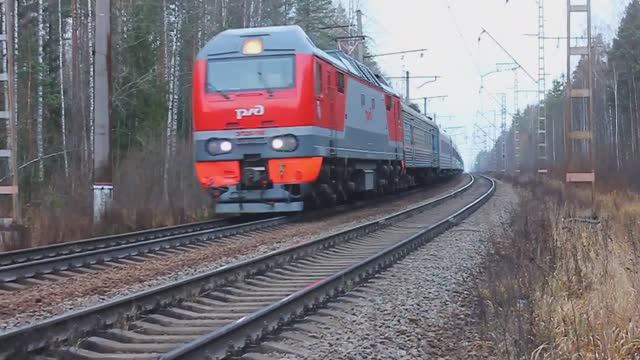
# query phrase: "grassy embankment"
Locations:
[[562, 286]]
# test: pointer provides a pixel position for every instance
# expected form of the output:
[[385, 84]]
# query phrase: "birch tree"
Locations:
[[90, 31], [39, 96], [175, 17], [62, 98]]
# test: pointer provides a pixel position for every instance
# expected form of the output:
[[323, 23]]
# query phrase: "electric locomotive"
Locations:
[[279, 123]]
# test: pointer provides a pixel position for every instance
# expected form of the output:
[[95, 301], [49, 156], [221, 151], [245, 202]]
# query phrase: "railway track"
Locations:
[[215, 314], [36, 266], [22, 268]]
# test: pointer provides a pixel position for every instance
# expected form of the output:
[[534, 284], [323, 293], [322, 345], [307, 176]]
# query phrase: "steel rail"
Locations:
[[83, 259], [69, 328], [249, 329]]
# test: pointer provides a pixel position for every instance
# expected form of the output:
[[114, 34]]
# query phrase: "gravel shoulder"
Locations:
[[38, 302], [426, 306]]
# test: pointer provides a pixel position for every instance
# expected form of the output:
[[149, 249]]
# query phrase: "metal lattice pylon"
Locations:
[[542, 90], [579, 151], [9, 182]]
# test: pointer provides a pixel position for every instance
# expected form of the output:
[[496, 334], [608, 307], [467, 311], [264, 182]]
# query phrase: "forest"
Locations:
[[152, 46], [616, 113]]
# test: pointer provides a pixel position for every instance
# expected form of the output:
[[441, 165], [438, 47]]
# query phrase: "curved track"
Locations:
[[36, 266], [218, 311]]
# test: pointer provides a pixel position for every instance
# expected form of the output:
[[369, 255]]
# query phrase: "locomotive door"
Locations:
[[331, 113]]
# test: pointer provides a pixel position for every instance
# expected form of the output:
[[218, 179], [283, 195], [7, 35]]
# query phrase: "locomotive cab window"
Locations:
[[250, 73], [387, 102]]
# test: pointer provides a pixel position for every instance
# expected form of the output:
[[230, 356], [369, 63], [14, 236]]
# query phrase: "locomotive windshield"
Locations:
[[251, 73]]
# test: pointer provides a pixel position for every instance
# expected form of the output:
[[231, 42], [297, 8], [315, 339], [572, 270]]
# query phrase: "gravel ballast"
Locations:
[[424, 307], [37, 302]]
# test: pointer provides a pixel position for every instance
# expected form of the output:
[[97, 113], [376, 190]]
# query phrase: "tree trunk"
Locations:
[[62, 102], [75, 87], [39, 97], [635, 98], [631, 127], [172, 98], [15, 66], [163, 44], [90, 35], [615, 94]]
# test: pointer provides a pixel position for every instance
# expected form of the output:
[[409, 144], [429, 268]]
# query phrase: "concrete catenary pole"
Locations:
[[360, 46], [102, 182], [407, 79]]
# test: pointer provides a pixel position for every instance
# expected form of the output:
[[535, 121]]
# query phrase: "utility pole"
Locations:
[[360, 45], [425, 99], [579, 150], [542, 89], [102, 182], [7, 116]]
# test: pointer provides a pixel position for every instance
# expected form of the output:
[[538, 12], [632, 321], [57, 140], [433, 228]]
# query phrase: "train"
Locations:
[[281, 126]]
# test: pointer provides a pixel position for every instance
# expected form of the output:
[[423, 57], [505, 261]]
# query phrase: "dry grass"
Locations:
[[63, 211], [562, 287]]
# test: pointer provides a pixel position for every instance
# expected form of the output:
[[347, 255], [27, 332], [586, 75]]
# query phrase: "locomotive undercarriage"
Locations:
[[343, 180], [340, 181]]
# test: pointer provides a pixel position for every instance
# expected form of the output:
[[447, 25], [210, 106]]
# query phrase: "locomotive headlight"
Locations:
[[277, 144], [284, 143], [225, 146], [218, 146]]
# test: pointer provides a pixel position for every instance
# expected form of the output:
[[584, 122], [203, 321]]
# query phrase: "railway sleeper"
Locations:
[[134, 337], [171, 321], [237, 291], [183, 314], [275, 288], [102, 345], [147, 328], [83, 354]]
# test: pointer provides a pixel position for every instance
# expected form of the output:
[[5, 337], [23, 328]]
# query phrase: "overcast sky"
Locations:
[[449, 29]]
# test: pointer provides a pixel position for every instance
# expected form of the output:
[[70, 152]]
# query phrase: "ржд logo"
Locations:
[[256, 110]]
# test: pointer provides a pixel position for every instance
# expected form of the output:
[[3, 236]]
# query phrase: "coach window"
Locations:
[[340, 82], [411, 132]]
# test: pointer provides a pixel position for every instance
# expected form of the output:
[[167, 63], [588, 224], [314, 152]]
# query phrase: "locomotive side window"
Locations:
[[373, 103], [387, 102], [340, 82], [362, 99], [318, 78]]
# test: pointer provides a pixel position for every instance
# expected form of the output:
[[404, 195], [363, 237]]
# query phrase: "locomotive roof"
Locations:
[[284, 40]]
